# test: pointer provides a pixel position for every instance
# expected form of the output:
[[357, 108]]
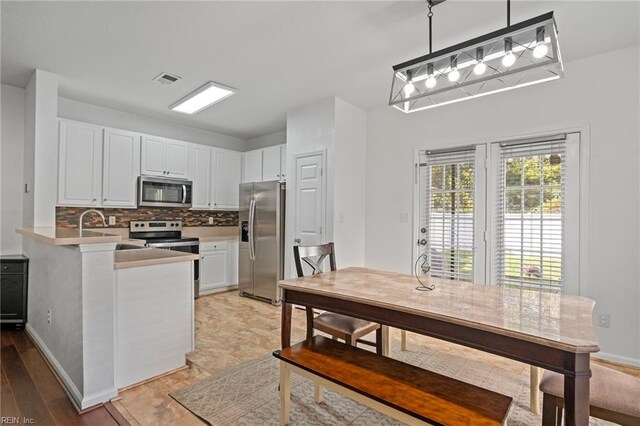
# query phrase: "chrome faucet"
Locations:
[[104, 222]]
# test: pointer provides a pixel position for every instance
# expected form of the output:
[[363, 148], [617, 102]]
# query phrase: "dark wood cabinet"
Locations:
[[14, 273]]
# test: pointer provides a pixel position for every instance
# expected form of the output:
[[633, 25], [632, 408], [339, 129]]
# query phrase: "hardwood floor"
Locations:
[[30, 390]]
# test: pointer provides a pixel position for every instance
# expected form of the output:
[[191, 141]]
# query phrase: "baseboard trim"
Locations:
[[218, 290], [617, 359], [67, 384]]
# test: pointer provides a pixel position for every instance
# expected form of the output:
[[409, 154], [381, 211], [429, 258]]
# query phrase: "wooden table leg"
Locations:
[[285, 325], [576, 390]]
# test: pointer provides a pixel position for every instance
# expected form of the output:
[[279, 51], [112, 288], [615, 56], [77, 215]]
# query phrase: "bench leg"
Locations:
[[403, 340], [285, 393], [317, 393], [535, 374], [386, 342]]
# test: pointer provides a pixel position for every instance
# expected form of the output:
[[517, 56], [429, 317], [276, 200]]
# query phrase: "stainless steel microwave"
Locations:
[[164, 192]]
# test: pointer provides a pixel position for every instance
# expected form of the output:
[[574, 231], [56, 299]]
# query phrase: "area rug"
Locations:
[[248, 393]]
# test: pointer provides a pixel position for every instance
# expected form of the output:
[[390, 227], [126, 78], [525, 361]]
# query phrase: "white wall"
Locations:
[[340, 129], [610, 110], [41, 149], [349, 192], [88, 113], [11, 167], [277, 138]]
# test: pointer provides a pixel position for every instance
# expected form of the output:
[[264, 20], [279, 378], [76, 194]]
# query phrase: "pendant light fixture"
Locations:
[[518, 55]]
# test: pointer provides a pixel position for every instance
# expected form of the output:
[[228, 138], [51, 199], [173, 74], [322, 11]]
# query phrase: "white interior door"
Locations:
[[310, 204]]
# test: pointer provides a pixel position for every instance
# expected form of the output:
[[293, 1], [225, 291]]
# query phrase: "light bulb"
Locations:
[[480, 68], [454, 75], [408, 89], [540, 50], [508, 59], [431, 82]]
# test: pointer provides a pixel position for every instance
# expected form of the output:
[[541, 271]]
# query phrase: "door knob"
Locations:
[[297, 241]]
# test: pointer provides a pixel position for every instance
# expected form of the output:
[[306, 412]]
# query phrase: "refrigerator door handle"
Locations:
[[252, 206]]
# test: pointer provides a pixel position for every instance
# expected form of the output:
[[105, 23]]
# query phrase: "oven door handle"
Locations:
[[184, 194], [164, 245]]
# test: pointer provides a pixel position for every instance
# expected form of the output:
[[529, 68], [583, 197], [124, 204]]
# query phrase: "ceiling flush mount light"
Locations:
[[518, 55], [202, 98]]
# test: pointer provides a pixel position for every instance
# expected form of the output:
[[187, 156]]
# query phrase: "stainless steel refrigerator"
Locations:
[[261, 251]]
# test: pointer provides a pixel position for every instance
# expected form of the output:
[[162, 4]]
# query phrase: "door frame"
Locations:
[[291, 198]]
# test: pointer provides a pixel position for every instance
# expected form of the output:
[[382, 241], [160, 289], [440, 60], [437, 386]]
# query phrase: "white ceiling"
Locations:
[[278, 54]]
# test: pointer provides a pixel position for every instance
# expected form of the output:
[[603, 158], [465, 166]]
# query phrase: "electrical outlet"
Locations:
[[112, 220], [604, 320], [49, 316], [210, 220], [404, 217]]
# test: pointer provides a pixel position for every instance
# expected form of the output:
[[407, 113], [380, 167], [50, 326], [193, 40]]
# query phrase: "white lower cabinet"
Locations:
[[218, 265]]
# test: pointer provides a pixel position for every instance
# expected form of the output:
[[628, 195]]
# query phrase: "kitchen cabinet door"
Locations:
[[120, 168], [176, 160], [252, 166], [271, 163], [201, 176], [153, 156], [283, 163], [226, 179], [214, 270], [79, 164]]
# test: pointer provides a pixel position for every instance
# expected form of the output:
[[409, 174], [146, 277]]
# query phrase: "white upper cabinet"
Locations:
[[283, 163], [226, 171], [252, 166], [266, 164], [271, 163], [164, 157], [80, 164], [121, 168], [200, 164], [177, 159]]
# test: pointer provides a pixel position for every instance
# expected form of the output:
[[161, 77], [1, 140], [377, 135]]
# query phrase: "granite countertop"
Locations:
[[556, 320], [69, 237], [149, 256]]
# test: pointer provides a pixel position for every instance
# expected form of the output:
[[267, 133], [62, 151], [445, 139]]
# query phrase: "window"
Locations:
[[503, 213], [530, 218], [448, 219]]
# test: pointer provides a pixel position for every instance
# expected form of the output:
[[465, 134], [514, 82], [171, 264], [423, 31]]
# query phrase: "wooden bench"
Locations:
[[402, 391]]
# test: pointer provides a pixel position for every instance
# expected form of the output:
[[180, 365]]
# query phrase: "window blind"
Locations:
[[447, 213], [530, 210]]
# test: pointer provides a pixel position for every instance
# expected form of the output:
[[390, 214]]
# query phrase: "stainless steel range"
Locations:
[[167, 234]]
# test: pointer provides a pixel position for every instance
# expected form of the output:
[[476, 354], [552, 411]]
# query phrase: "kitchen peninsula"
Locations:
[[106, 319]]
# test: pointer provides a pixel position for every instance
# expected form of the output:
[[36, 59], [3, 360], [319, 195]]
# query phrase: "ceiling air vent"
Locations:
[[166, 79]]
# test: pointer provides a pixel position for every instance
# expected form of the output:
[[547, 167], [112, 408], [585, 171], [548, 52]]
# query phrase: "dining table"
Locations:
[[541, 327]]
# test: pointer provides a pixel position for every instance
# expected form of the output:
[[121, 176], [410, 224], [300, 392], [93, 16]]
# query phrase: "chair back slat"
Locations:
[[304, 253]]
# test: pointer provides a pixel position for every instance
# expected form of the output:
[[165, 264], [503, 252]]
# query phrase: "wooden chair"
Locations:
[[613, 396], [339, 326]]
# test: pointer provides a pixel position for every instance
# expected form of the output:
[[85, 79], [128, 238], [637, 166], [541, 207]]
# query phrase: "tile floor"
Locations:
[[231, 330]]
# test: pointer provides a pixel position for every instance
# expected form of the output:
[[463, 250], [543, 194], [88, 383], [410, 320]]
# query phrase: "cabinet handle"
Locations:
[[5, 268], [94, 200], [202, 257], [104, 199]]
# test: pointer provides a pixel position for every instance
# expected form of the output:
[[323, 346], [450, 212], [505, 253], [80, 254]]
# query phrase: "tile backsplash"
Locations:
[[67, 217]]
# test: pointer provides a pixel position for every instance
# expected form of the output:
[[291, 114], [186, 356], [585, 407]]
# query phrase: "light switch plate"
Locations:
[[604, 320], [404, 217], [112, 220]]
